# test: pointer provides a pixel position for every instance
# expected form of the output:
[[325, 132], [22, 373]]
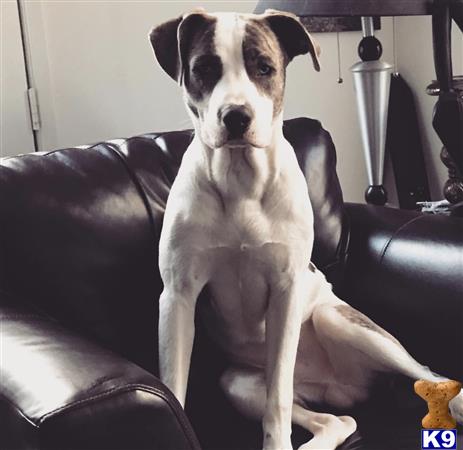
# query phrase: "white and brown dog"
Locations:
[[239, 219]]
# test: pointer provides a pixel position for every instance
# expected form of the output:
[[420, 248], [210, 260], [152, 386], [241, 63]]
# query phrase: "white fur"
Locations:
[[240, 220], [235, 88]]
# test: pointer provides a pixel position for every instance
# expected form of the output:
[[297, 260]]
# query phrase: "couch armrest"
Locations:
[[405, 270], [61, 391]]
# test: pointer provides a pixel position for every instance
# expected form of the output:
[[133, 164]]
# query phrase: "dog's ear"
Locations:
[[165, 45], [170, 42], [293, 36]]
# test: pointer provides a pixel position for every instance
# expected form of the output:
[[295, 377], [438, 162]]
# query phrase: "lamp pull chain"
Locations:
[[340, 80], [394, 49]]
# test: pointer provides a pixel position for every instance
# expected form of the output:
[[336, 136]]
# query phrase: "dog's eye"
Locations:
[[203, 70], [264, 69], [206, 68]]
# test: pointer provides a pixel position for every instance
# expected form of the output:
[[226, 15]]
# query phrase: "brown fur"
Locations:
[[356, 317], [261, 46]]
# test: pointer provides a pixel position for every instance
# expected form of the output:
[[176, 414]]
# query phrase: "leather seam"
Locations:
[[127, 388], [348, 224], [342, 249], [331, 264], [118, 390], [155, 136], [78, 403], [90, 147], [396, 232], [181, 417], [19, 410], [138, 186]]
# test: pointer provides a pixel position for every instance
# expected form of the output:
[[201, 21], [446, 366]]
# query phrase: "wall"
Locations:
[[319, 95], [97, 78], [15, 129]]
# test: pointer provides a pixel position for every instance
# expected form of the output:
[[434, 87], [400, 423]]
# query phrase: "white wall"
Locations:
[[15, 128], [319, 95], [97, 78]]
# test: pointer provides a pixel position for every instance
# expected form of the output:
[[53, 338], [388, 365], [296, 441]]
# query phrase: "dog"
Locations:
[[239, 220]]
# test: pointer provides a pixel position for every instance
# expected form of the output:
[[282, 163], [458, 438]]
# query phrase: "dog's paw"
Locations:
[[330, 438], [456, 408]]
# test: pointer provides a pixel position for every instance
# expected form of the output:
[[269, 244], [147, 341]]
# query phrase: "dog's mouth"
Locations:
[[239, 143], [231, 142]]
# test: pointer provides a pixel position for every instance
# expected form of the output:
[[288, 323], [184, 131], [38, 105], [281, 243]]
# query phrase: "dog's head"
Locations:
[[232, 69]]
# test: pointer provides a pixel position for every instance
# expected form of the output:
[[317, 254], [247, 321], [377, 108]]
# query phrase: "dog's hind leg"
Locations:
[[246, 389], [342, 330], [456, 408]]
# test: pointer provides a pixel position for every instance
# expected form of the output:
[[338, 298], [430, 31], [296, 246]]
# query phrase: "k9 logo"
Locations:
[[439, 439]]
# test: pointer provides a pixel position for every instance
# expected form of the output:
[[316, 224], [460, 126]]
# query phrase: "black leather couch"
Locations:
[[79, 287]]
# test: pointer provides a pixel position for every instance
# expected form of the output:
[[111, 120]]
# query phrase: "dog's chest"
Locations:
[[239, 290], [260, 238], [250, 239], [258, 254]]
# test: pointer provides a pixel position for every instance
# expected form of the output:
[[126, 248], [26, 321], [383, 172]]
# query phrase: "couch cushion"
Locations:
[[61, 391], [76, 241], [80, 229]]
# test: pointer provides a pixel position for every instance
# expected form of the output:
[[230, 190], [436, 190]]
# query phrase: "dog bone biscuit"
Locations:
[[438, 396]]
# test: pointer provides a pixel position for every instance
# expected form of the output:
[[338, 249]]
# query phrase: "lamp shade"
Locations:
[[349, 7]]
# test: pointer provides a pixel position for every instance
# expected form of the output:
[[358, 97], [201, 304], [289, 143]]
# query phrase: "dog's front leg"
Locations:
[[183, 282], [283, 325], [176, 335]]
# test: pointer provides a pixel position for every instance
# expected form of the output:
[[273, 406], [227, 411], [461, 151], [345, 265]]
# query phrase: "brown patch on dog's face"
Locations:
[[229, 61], [265, 61], [202, 67], [184, 47]]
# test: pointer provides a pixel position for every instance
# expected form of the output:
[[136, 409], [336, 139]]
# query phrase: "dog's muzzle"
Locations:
[[236, 119]]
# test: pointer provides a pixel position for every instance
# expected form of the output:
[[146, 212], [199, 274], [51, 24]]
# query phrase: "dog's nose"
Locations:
[[236, 119]]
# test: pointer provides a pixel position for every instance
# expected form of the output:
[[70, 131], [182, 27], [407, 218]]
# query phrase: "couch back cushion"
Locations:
[[79, 229]]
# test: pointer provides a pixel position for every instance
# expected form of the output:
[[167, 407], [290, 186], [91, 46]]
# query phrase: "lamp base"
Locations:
[[376, 195]]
